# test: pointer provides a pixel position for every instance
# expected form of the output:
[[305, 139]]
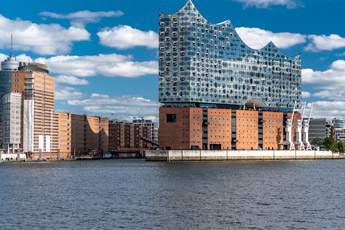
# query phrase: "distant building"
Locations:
[[124, 137], [340, 134], [338, 123], [153, 126], [11, 121], [320, 128], [82, 135], [8, 66]]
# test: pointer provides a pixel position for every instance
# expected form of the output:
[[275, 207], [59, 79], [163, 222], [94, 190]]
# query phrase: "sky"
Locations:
[[103, 54]]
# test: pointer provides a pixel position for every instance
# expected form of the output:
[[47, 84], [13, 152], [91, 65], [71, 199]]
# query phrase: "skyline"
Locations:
[[102, 68]]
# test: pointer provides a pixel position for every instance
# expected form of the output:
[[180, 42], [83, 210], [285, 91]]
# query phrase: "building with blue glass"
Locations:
[[7, 67], [204, 63], [218, 93]]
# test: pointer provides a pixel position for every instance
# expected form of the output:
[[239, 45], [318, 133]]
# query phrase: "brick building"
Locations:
[[212, 128], [124, 137], [81, 135]]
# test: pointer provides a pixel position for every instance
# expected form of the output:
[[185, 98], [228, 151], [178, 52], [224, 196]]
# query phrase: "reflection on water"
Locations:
[[134, 194]]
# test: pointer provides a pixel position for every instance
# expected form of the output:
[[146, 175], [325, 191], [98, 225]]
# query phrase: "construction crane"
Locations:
[[306, 130], [299, 130], [288, 130]]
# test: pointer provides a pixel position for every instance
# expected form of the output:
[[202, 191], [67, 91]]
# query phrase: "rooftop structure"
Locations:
[[204, 63]]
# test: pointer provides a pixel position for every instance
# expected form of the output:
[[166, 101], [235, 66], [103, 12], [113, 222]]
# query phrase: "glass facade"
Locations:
[[201, 62]]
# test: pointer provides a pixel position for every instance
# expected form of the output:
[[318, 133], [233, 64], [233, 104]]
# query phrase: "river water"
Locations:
[[134, 194]]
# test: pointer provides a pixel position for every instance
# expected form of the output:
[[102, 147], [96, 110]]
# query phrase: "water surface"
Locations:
[[134, 194]]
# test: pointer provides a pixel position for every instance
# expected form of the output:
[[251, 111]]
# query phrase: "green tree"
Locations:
[[329, 143], [341, 146], [317, 141]]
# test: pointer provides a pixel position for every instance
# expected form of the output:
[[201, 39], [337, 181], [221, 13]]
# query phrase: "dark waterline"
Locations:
[[134, 194]]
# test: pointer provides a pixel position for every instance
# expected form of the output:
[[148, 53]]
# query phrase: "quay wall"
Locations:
[[6, 157], [221, 155]]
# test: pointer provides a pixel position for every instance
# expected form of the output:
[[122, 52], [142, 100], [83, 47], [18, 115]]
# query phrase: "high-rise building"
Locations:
[[218, 93], [39, 122], [205, 63], [7, 67]]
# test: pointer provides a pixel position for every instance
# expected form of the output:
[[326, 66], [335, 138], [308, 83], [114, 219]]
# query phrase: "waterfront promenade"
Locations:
[[221, 155]]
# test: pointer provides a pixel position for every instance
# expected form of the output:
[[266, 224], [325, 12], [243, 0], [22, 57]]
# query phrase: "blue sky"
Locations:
[[104, 53]]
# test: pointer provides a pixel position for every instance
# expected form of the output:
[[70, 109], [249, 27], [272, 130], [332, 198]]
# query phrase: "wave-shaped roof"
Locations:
[[228, 23]]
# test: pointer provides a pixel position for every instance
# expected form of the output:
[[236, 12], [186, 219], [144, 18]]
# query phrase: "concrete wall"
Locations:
[[203, 155], [4, 157]]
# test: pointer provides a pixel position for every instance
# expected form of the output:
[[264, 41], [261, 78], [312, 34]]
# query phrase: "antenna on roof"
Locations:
[[11, 45]]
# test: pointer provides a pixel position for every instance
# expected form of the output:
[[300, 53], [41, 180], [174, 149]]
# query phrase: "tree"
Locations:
[[329, 143], [317, 141], [341, 146]]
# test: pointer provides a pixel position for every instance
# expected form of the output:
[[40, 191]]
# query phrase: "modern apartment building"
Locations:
[[38, 128], [218, 93]]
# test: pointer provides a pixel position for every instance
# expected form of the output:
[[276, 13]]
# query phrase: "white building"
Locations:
[[11, 120]]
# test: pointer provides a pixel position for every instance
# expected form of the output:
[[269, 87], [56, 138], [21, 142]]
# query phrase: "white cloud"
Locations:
[[66, 93], [332, 95], [109, 65], [24, 58], [328, 109], [266, 3], [323, 42], [71, 80], [332, 79], [80, 18], [257, 38], [46, 39], [306, 94], [132, 105], [123, 37], [3, 57], [20, 58]]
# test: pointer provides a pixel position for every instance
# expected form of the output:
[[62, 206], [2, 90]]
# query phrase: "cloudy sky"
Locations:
[[104, 53]]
